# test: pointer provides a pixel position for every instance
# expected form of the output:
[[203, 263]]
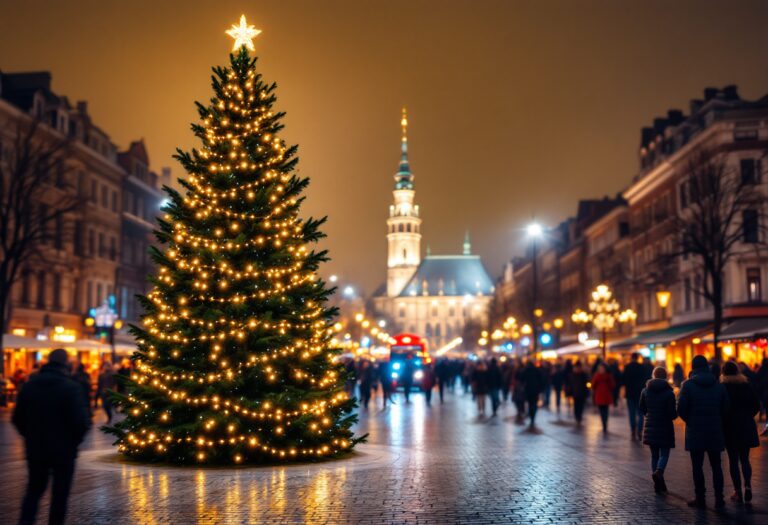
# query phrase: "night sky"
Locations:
[[517, 109]]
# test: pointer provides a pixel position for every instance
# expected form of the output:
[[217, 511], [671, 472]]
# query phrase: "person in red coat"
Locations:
[[602, 388]]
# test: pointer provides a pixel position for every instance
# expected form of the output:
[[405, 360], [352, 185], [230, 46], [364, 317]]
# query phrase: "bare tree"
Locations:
[[29, 170], [722, 216]]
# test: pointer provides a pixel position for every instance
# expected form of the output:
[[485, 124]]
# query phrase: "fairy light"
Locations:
[[236, 304]]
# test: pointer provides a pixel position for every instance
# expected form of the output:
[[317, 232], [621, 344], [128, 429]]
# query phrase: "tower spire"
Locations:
[[404, 177], [467, 245]]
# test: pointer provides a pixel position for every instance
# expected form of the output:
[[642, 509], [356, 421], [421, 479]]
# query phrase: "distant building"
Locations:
[[81, 259], [435, 297]]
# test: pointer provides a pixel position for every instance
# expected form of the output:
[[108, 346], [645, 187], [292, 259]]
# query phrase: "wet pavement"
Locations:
[[421, 465]]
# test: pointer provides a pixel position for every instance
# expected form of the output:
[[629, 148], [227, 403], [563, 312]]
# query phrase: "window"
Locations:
[[687, 287], [697, 289], [94, 191], [60, 180], [102, 246], [438, 331], [89, 298], [26, 287], [104, 197], [114, 201], [400, 227], [57, 291], [112, 248], [75, 307], [429, 330], [402, 312], [754, 286], [452, 311], [41, 289], [749, 226], [434, 311], [408, 228], [58, 240], [99, 290], [750, 173], [91, 245], [77, 240]]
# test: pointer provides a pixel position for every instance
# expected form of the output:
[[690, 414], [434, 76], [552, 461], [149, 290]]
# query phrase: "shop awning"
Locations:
[[663, 337], [577, 348], [745, 329], [17, 341]]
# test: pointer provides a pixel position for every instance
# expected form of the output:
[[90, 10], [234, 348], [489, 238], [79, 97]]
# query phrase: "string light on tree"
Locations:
[[235, 361]]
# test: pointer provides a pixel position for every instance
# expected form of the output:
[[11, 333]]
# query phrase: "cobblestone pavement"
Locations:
[[438, 465]]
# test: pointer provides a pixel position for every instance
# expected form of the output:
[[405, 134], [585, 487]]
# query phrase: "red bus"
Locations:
[[408, 354]]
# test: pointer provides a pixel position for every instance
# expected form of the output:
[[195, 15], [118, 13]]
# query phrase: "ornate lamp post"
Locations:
[[604, 313], [663, 297]]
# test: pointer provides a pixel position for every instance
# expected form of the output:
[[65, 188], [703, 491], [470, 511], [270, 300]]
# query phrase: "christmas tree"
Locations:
[[234, 363]]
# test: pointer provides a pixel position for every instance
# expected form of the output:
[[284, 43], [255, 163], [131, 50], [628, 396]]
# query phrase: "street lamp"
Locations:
[[534, 232], [663, 297], [604, 313]]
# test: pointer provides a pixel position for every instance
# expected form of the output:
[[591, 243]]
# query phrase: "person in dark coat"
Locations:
[[479, 380], [602, 388], [82, 378], [762, 386], [533, 387], [428, 381], [366, 378], [739, 428], [495, 380], [702, 403], [579, 390], [385, 379], [105, 385], [678, 376], [444, 376], [558, 380], [657, 404], [635, 376], [518, 391], [52, 416]]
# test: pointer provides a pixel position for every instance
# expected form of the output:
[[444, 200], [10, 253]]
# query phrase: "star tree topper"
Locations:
[[243, 34]]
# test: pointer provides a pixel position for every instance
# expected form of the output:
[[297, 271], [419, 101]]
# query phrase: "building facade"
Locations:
[[78, 261], [436, 297]]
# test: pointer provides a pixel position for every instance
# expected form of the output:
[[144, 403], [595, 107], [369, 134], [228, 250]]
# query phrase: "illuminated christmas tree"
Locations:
[[234, 363]]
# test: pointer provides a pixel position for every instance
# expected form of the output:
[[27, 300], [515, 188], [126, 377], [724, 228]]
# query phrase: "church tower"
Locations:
[[403, 224]]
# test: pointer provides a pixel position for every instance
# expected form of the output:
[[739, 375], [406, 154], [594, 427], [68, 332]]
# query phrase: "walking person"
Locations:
[[657, 404], [495, 381], [82, 378], [533, 386], [702, 404], [740, 429], [558, 378], [480, 386], [579, 391], [635, 376], [444, 376], [52, 417], [385, 379], [518, 392], [602, 386], [104, 387], [762, 390], [678, 376], [428, 382], [366, 382]]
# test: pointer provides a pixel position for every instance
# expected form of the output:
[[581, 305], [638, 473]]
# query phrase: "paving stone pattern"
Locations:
[[438, 465]]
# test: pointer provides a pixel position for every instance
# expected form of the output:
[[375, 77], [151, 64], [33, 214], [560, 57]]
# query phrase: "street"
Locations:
[[430, 465]]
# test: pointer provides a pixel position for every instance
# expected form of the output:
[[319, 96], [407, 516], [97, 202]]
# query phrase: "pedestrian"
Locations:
[[678, 376], [406, 377], [558, 378], [739, 429], [518, 391], [657, 404], [635, 376], [702, 403], [533, 387], [105, 386], [506, 382], [602, 386], [366, 382], [444, 376], [479, 382], [495, 381], [385, 378], [613, 369], [82, 378], [567, 382], [579, 390], [546, 383], [52, 417], [428, 381]]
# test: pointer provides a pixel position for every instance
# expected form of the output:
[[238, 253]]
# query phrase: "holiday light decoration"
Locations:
[[235, 362]]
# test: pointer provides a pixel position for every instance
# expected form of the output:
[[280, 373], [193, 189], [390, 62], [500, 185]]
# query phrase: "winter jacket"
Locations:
[[635, 377], [52, 416], [578, 385], [495, 380], [602, 386], [702, 404], [480, 381], [532, 380], [657, 403], [739, 421]]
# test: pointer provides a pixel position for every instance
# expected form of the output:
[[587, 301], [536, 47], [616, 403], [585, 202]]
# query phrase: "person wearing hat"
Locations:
[[702, 404], [52, 417]]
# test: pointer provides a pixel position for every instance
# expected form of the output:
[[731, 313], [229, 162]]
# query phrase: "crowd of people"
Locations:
[[718, 405]]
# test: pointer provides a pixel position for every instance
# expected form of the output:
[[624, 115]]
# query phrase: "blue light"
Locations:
[[545, 338], [366, 342], [396, 366], [417, 362], [394, 375], [509, 347]]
